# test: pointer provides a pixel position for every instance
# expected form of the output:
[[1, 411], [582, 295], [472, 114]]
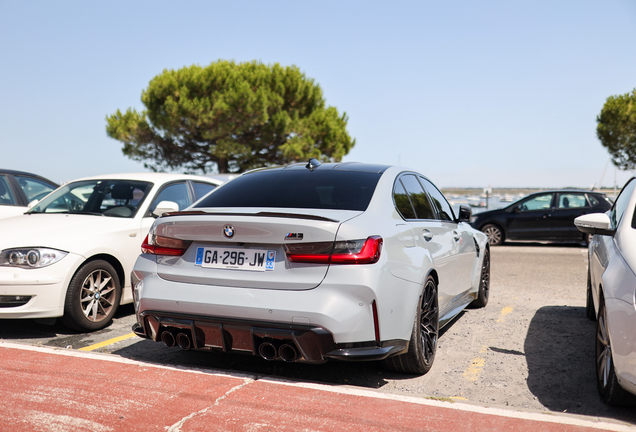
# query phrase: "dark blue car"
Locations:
[[545, 215]]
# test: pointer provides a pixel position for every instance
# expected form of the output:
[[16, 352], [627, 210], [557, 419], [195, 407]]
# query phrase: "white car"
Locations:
[[19, 188], [312, 262], [611, 288], [71, 254]]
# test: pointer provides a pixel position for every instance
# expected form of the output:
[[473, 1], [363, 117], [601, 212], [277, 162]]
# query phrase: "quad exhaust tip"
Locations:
[[183, 341], [167, 338], [267, 351], [287, 353]]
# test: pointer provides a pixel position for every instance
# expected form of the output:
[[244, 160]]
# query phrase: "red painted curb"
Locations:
[[44, 391]]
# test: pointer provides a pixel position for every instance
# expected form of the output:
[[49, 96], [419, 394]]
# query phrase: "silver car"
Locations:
[[611, 282], [312, 262]]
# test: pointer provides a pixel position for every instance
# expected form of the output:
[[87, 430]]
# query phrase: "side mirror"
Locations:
[[516, 210], [595, 223], [32, 204], [165, 207], [465, 213]]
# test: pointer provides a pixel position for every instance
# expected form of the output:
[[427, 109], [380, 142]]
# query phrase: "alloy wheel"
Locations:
[[429, 322], [97, 296], [485, 274], [494, 235], [603, 350]]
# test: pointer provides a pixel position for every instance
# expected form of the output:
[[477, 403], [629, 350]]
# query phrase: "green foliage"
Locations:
[[617, 129], [233, 117]]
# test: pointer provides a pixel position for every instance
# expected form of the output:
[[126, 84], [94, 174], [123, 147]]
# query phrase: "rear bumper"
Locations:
[[272, 341]]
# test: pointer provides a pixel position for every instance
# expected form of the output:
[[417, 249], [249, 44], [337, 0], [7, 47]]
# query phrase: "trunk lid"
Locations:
[[257, 236]]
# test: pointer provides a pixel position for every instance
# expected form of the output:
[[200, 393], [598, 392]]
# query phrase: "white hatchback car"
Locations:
[[71, 254], [611, 287], [313, 262]]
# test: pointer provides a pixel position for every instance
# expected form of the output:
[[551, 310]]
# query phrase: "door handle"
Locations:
[[456, 236], [427, 235]]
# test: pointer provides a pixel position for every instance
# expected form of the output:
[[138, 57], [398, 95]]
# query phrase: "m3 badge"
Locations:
[[294, 236]]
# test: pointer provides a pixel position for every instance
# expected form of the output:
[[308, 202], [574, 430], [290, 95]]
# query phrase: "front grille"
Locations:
[[13, 301]]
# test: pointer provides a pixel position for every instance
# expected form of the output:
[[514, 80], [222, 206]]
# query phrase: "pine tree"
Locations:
[[230, 117], [617, 129]]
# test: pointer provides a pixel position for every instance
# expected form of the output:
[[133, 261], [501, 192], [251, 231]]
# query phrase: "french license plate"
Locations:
[[236, 259]]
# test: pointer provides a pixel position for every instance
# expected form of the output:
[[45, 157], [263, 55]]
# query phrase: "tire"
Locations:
[[87, 308], [589, 303], [423, 344], [609, 389], [494, 233], [484, 283]]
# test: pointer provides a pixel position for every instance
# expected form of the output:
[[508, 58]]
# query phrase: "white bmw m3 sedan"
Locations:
[[311, 262], [611, 288]]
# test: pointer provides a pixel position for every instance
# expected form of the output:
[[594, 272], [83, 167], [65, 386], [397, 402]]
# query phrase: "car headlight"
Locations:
[[473, 219], [35, 257]]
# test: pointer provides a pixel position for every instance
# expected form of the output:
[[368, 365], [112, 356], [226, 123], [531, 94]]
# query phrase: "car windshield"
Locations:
[[115, 198], [328, 189]]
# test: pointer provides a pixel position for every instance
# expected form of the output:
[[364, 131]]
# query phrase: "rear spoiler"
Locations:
[[259, 214]]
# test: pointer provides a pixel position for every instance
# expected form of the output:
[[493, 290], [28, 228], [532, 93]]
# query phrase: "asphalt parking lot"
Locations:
[[531, 348]]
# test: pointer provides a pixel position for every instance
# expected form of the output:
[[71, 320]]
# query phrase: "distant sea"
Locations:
[[480, 203]]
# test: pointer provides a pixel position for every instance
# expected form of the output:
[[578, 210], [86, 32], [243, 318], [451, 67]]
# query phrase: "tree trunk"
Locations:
[[221, 165]]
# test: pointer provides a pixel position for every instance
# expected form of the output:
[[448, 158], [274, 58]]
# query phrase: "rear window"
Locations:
[[329, 189]]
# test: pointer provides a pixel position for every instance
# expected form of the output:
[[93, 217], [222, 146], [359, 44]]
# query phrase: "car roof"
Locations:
[[337, 166], [567, 191], [17, 172], [151, 177]]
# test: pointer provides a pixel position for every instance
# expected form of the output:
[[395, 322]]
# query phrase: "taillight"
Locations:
[[159, 245], [317, 253], [340, 252]]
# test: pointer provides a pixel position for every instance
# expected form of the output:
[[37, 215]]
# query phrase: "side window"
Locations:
[[34, 189], [6, 195], [121, 199], [176, 192], [419, 198], [444, 209], [402, 202], [571, 200], [593, 200], [539, 202], [620, 205], [201, 189]]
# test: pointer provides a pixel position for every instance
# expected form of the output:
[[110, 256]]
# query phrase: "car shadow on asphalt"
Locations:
[[364, 374], [560, 353], [370, 374]]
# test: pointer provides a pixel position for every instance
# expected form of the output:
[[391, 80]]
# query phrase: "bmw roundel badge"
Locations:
[[228, 231]]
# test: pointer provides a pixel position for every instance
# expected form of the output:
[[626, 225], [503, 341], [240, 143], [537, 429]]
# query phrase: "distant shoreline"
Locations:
[[513, 191]]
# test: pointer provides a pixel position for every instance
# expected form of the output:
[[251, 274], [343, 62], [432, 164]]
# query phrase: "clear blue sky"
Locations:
[[471, 93]]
